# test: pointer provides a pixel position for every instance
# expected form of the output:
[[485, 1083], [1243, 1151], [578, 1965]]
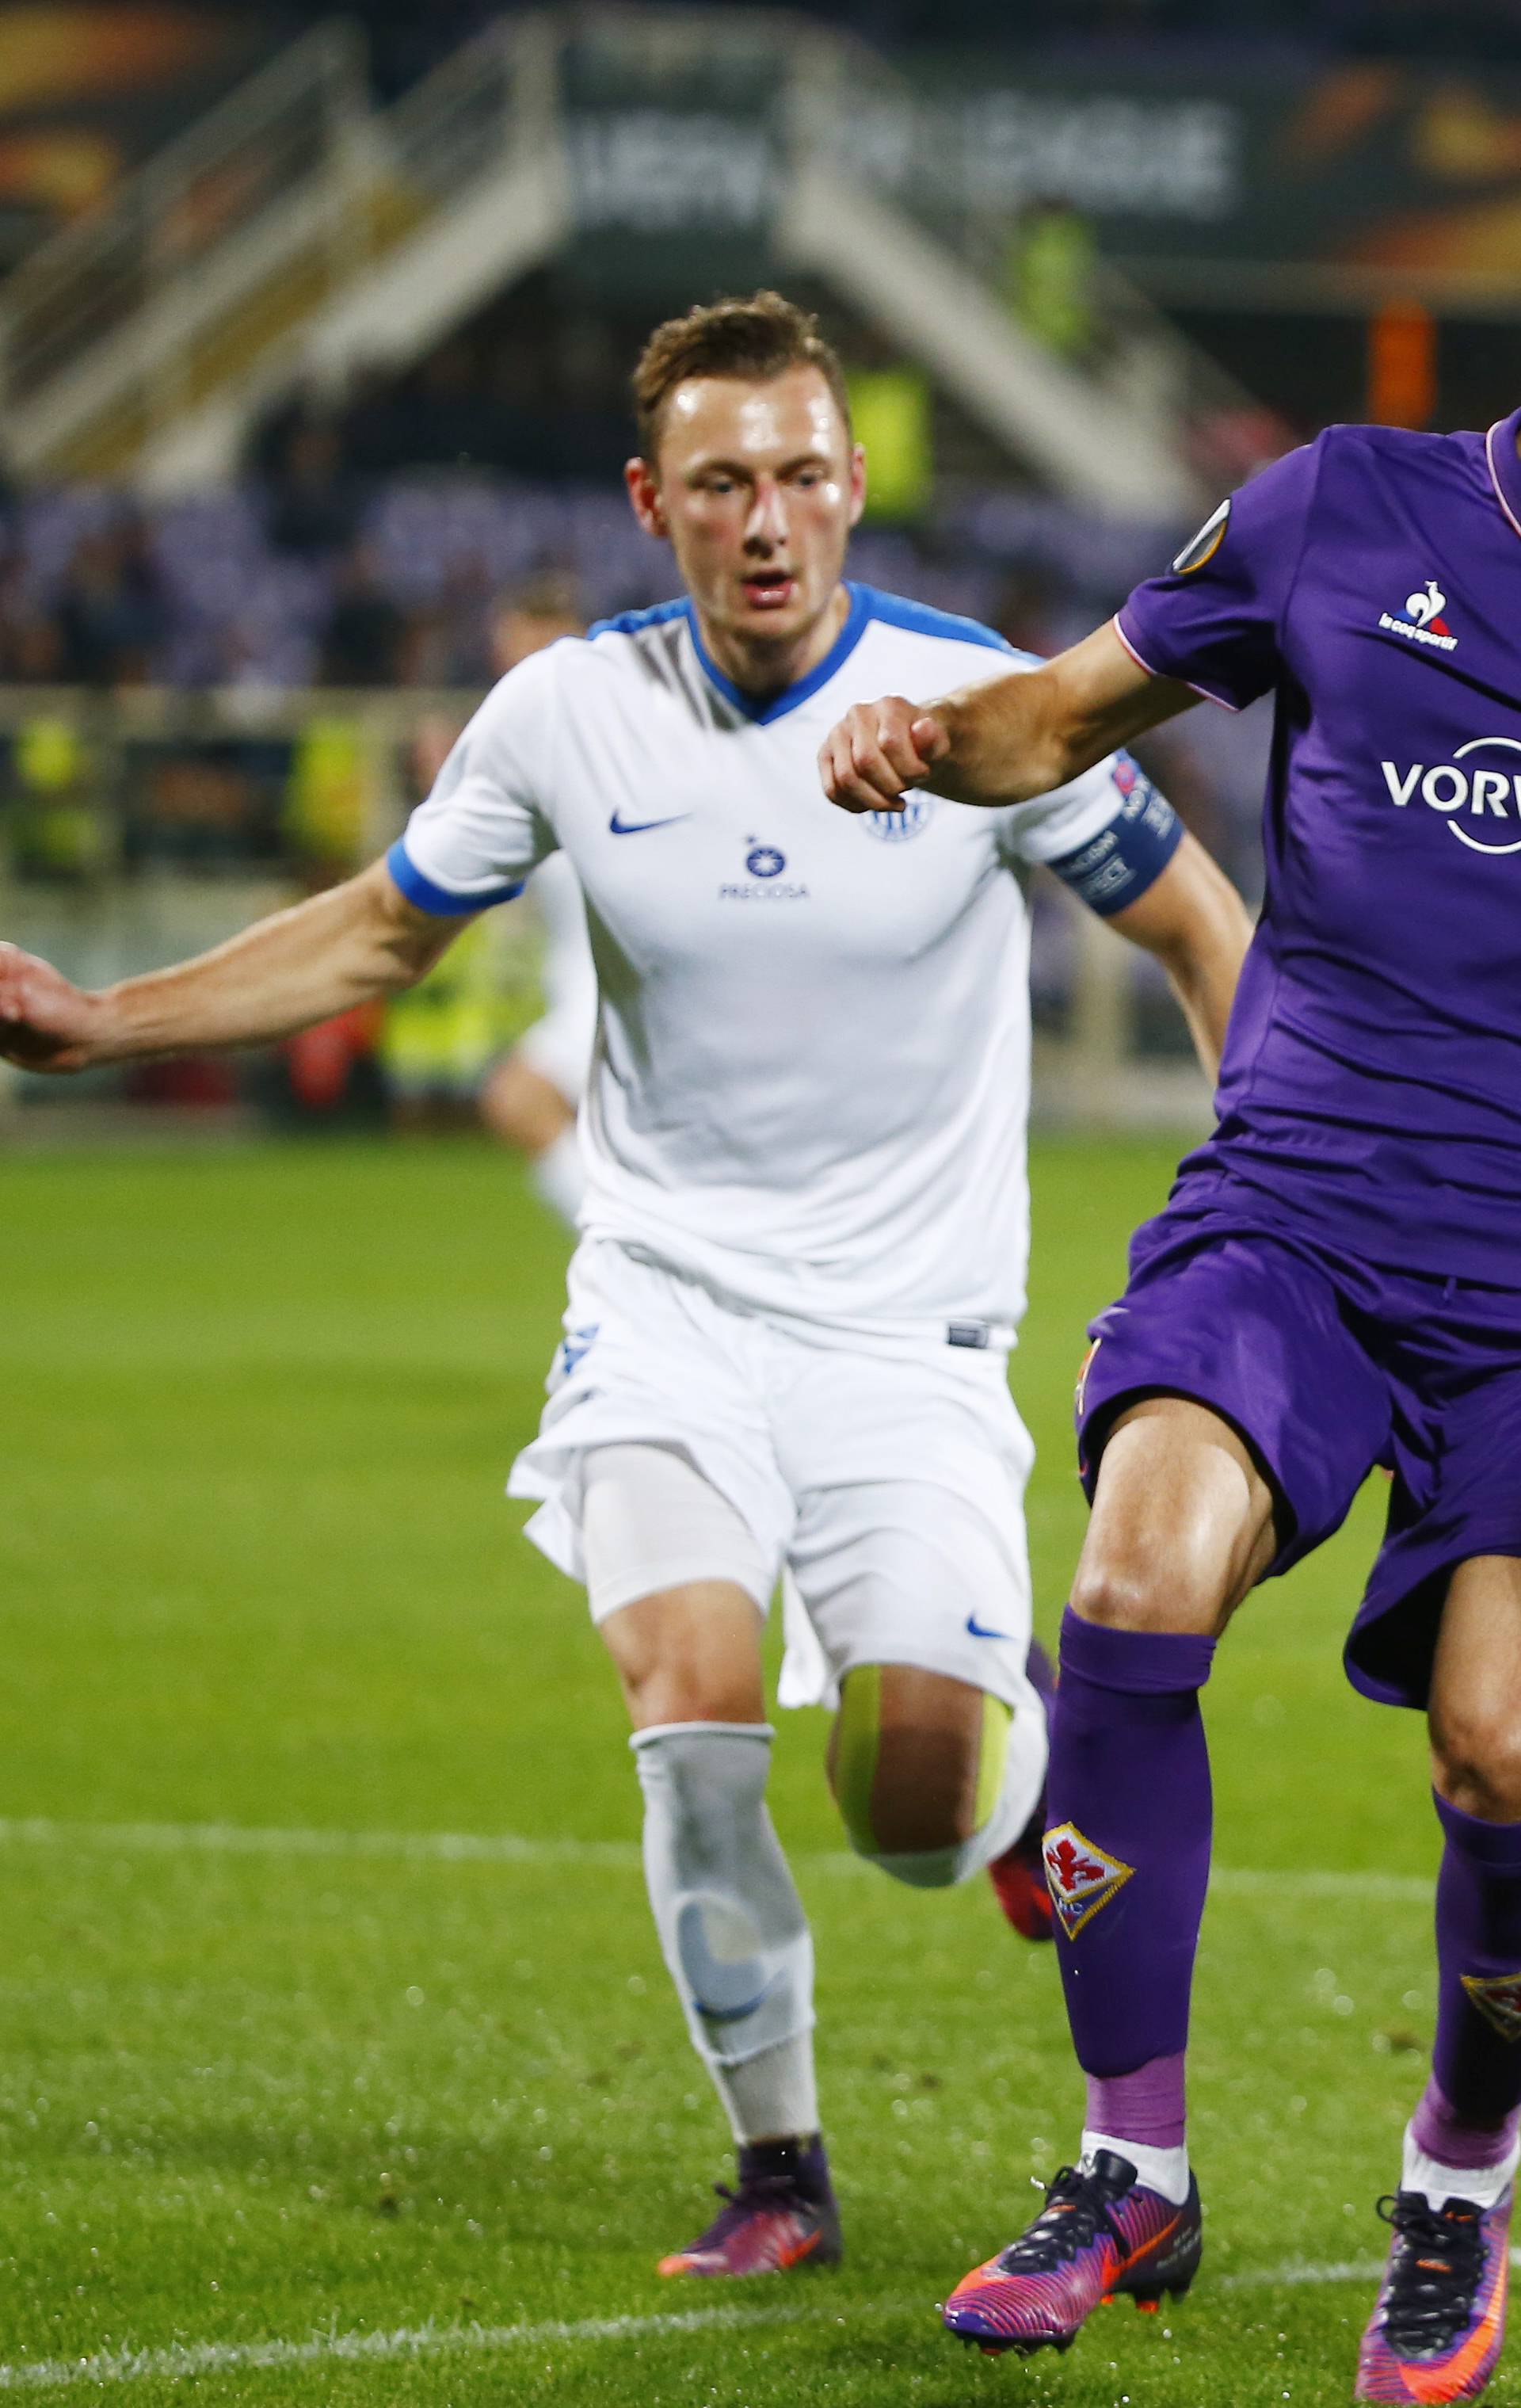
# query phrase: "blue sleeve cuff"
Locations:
[[1116, 868], [429, 897]]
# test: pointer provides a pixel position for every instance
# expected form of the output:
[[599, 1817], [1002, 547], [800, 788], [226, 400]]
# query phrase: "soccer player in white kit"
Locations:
[[803, 1241]]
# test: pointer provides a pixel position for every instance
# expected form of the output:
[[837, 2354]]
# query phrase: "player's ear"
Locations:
[[644, 494], [857, 483]]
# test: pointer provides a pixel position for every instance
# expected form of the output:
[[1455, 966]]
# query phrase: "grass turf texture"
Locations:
[[255, 1571]]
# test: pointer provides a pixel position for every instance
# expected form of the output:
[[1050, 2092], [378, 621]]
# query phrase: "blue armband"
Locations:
[[1116, 867], [430, 897]]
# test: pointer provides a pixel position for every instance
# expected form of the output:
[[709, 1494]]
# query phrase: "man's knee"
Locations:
[[1182, 1522], [1476, 1757], [1475, 1714], [689, 1654], [917, 1763]]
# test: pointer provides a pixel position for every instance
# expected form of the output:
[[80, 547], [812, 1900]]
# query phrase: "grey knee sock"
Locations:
[[731, 1923]]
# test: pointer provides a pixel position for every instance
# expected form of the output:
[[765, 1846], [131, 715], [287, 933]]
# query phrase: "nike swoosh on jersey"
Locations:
[[979, 1632], [636, 827]]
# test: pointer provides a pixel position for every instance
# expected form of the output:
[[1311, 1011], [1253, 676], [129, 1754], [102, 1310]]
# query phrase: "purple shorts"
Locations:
[[1329, 1365]]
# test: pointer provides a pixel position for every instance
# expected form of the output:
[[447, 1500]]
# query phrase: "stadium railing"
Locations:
[[301, 233]]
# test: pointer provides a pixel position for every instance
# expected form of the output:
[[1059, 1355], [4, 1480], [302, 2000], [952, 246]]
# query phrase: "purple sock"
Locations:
[[1127, 1855], [1439, 2131], [1476, 2063], [1147, 2105]]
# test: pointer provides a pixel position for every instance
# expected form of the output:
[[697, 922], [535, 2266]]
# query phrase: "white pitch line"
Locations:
[[515, 1848], [178, 2359]]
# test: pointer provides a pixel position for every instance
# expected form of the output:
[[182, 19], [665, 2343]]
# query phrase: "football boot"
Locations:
[[1437, 2328], [773, 2219], [1099, 2233]]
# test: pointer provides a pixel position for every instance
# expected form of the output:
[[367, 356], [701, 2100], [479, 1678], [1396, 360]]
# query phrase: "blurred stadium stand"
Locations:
[[292, 396]]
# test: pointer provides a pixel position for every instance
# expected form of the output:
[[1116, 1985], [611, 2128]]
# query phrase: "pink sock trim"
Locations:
[[1149, 2105], [1439, 2131]]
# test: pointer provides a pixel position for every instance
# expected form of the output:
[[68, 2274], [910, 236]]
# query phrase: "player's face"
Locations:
[[756, 486]]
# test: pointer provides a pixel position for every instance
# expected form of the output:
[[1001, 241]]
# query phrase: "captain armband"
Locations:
[[1116, 868]]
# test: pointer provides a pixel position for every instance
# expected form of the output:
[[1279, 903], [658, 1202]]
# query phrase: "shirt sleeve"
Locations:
[[1215, 619], [484, 827], [1107, 835]]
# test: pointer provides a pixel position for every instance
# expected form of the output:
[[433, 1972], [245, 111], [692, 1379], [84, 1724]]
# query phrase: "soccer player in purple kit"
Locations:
[[1335, 1283]]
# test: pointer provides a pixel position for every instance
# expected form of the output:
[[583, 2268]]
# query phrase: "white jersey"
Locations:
[[559, 1045], [812, 1078]]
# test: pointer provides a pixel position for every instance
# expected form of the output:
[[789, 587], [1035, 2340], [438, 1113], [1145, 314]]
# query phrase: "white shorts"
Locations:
[[887, 1489], [559, 1045]]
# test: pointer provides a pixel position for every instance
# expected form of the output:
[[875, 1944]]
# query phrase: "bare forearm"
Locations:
[[1023, 733], [298, 966], [1197, 927], [1004, 743], [1204, 979]]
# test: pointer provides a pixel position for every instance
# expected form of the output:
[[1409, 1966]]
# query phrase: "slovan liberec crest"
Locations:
[[899, 827]]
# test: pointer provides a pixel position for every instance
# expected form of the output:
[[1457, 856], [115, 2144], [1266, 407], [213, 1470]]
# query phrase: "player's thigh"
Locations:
[[1183, 1521], [689, 1654], [652, 1361], [920, 1603], [1227, 1418], [678, 1582], [1475, 1711]]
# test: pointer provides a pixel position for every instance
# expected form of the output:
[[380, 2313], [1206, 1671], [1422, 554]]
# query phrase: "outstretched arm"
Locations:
[[1196, 924], [346, 946], [1003, 743]]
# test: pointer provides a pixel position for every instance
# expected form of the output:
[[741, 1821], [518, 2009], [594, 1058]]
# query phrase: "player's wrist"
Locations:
[[115, 1024], [967, 769]]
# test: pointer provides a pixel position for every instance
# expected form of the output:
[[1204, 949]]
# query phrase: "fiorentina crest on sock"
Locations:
[[1080, 1877], [1499, 2000]]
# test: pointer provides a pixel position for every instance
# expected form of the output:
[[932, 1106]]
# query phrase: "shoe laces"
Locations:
[[1434, 2272], [1077, 2206], [754, 2197]]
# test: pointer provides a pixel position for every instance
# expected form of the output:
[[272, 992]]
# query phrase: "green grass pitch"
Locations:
[[278, 2067]]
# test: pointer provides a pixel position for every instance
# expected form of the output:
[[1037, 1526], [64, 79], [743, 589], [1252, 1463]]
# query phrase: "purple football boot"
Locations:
[[782, 2214], [1440, 2322], [1098, 2233]]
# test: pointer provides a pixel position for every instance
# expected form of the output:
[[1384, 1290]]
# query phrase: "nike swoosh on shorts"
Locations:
[[978, 1630]]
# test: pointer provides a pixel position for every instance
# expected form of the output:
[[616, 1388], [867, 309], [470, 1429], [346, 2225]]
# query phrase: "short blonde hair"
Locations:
[[758, 338]]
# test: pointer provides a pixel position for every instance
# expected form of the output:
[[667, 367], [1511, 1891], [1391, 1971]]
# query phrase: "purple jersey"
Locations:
[[1370, 1093]]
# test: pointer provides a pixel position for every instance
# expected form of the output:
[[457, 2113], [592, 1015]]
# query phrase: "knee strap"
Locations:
[[731, 1924], [858, 1733]]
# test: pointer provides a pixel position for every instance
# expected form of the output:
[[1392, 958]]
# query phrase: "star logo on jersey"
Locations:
[[900, 828], [765, 861], [1081, 1878], [1421, 621], [1499, 2000]]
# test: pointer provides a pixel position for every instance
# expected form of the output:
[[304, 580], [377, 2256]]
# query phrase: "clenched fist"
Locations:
[[46, 1022], [878, 750]]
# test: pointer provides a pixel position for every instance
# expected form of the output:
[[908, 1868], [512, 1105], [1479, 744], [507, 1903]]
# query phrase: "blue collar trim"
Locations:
[[762, 713]]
